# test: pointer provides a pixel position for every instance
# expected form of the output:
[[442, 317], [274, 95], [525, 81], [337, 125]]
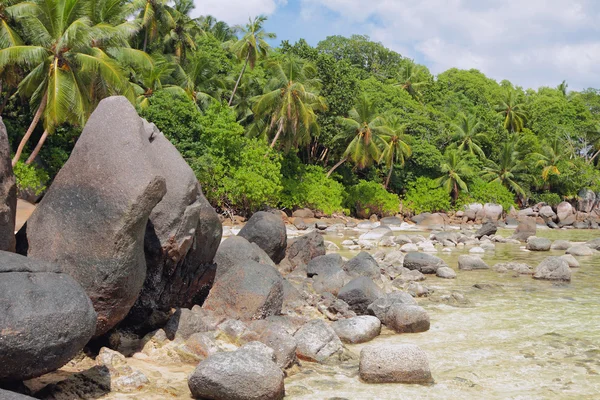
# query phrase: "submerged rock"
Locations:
[[466, 262], [45, 317], [237, 375], [8, 194], [538, 244], [445, 273], [581, 250], [424, 263], [525, 229], [268, 231], [400, 363]]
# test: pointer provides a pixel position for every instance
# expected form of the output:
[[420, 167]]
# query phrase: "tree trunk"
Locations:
[[387, 181], [455, 193], [239, 79], [277, 135], [36, 119], [594, 156], [146, 40], [343, 160], [38, 147]]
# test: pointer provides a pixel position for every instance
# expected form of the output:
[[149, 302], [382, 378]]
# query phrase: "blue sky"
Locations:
[[530, 42]]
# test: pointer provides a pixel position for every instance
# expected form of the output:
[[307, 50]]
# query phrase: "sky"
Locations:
[[532, 43]]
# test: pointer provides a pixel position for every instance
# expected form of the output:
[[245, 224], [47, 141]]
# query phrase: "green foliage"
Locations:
[[487, 192], [552, 199], [368, 197], [425, 195], [30, 178], [310, 187]]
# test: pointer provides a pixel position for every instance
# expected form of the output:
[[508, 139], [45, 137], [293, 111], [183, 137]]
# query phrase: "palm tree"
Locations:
[[219, 29], [512, 111], [507, 169], [563, 88], [9, 11], [154, 16], [159, 77], [290, 102], [553, 154], [182, 33], [200, 79], [396, 149], [465, 133], [62, 64], [362, 129], [412, 78], [251, 47], [455, 169]]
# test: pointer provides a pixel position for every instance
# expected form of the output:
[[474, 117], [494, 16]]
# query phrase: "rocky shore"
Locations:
[[128, 284]]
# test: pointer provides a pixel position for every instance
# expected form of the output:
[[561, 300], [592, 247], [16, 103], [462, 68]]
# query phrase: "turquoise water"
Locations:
[[516, 338]]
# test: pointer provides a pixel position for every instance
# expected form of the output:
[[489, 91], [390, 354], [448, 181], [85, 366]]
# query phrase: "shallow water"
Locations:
[[518, 338]]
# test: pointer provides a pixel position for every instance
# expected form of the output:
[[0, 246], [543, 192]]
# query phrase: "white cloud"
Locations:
[[532, 42], [236, 11]]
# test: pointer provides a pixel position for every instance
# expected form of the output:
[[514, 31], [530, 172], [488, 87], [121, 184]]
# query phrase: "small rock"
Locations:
[[554, 269], [399, 363], [424, 263], [561, 245], [445, 273], [538, 244], [358, 329], [573, 263], [468, 263], [581, 250]]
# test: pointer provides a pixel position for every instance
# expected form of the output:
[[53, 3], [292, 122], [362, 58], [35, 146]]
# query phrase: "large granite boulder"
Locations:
[[357, 329], [424, 263], [492, 212], [300, 251], [235, 251], [548, 214], [317, 342], [247, 291], [535, 243], [586, 199], [181, 239], [487, 229], [239, 375], [400, 363], [268, 231], [8, 194], [329, 264], [45, 317], [92, 220]]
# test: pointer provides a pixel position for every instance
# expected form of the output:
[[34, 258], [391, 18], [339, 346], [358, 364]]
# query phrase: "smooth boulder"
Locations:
[[268, 231], [535, 243], [553, 269], [46, 317], [235, 251], [362, 265], [247, 291], [586, 200], [359, 329], [324, 265], [398, 363], [92, 220], [237, 375], [564, 210], [581, 250], [469, 263], [487, 229], [424, 263], [359, 293], [317, 342], [8, 194], [525, 229]]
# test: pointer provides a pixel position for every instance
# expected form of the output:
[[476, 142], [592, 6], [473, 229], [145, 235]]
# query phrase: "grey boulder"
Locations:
[[46, 318], [8, 194], [422, 262], [553, 269], [362, 265], [525, 229], [399, 363], [246, 292], [302, 250], [487, 229], [581, 250], [239, 375], [268, 231], [358, 329], [92, 221], [468, 263], [317, 342], [535, 243], [324, 265], [359, 293], [235, 251]]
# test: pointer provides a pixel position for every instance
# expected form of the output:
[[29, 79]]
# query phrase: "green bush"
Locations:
[[484, 192], [552, 199], [30, 178], [368, 197], [311, 188], [426, 195]]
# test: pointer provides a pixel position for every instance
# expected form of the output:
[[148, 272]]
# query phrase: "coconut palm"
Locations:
[[412, 78], [553, 154], [9, 11], [455, 169], [290, 102], [512, 111], [466, 131], [396, 150], [154, 16], [361, 130], [251, 47], [181, 35], [200, 79], [62, 64], [160, 76], [219, 29], [562, 88], [507, 169]]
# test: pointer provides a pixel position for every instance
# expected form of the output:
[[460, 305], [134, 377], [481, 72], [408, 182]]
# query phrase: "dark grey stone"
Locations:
[[302, 250], [362, 265], [8, 194], [45, 317], [267, 230], [329, 264], [235, 251], [487, 229], [359, 293], [422, 262]]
